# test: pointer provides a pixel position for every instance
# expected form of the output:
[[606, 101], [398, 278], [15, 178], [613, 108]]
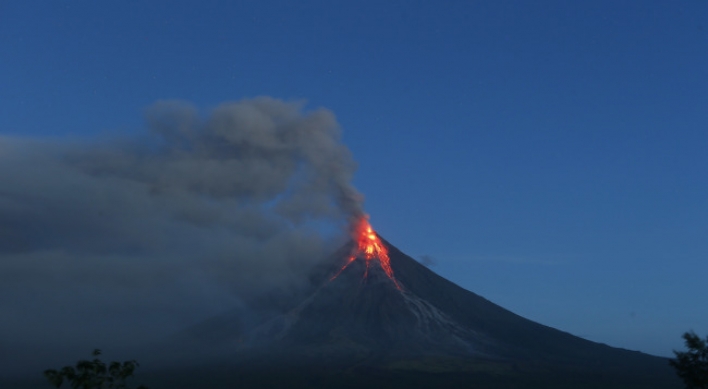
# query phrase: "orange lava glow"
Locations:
[[368, 247]]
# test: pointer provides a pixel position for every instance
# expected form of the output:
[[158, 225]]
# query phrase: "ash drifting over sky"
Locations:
[[126, 239]]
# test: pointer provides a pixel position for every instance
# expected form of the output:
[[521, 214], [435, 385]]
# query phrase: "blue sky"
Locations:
[[551, 156]]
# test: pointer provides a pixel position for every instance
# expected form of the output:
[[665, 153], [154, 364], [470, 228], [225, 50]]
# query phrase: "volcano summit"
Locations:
[[376, 317]]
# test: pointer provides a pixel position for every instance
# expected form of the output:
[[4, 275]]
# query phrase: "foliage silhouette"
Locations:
[[94, 374], [692, 365]]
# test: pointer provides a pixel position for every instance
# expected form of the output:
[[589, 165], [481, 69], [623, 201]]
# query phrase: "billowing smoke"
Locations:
[[123, 240]]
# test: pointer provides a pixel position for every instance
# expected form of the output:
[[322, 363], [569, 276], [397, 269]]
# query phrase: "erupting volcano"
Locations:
[[414, 330], [368, 246]]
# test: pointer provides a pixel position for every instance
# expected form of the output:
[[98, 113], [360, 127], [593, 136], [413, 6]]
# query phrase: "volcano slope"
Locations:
[[358, 326]]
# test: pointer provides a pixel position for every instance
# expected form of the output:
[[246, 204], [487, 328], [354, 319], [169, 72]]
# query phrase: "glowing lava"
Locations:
[[368, 246]]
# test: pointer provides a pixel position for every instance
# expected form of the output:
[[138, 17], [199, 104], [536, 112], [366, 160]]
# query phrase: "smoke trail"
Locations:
[[257, 151], [145, 235]]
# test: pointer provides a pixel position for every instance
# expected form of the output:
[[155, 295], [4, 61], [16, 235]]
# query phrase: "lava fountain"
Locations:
[[368, 246]]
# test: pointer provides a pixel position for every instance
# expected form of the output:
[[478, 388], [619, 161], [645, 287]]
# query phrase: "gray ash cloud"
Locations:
[[135, 237]]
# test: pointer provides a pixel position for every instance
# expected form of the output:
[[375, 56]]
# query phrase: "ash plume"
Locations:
[[142, 236]]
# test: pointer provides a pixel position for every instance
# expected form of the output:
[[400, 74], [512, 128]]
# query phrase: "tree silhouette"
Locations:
[[692, 365], [94, 374]]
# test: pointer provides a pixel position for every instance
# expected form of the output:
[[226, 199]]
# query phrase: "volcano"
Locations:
[[396, 323]]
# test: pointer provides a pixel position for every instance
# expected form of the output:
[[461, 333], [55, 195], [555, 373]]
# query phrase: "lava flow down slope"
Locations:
[[373, 307]]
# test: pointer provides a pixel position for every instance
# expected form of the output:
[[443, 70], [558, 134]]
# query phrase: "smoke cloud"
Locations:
[[427, 260], [119, 241]]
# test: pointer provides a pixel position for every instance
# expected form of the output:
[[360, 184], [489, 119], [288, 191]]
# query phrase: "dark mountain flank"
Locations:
[[358, 326]]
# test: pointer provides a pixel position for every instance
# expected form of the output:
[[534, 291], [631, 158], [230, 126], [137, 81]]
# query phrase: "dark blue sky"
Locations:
[[550, 155]]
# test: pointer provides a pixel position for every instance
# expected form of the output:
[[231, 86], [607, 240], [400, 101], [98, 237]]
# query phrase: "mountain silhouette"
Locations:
[[362, 324]]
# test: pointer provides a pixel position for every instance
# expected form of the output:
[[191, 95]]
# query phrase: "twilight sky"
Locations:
[[549, 156]]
